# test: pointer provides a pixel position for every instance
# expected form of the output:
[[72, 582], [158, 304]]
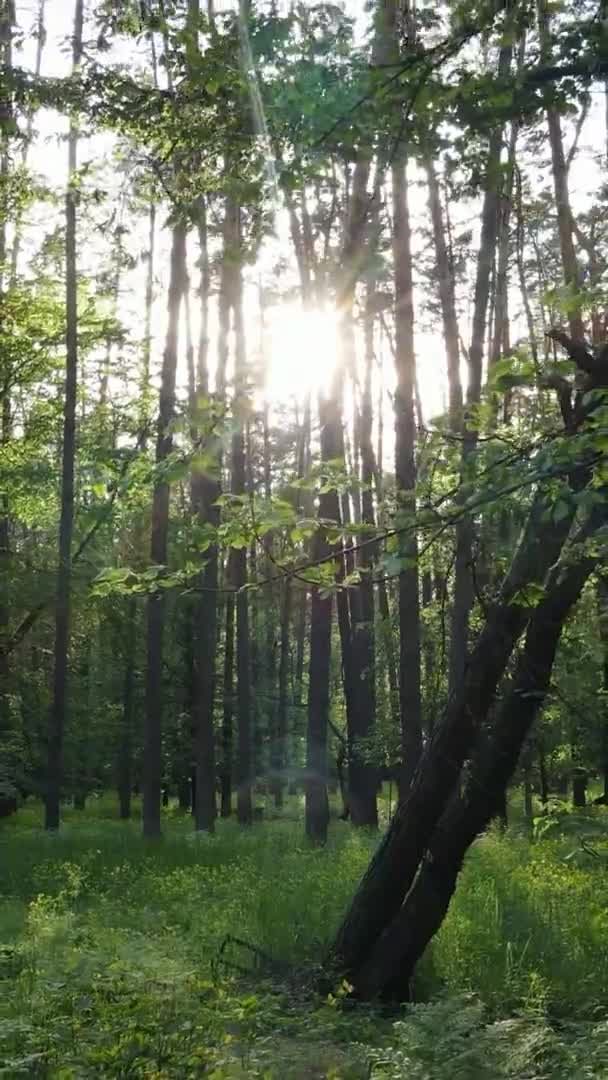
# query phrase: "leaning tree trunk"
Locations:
[[158, 545], [395, 864], [389, 966], [66, 524]]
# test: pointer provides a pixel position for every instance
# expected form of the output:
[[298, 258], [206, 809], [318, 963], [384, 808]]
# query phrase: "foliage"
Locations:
[[111, 958]]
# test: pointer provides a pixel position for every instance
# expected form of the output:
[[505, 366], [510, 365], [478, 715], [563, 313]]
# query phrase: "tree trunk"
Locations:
[[447, 299], [521, 268], [205, 492], [125, 754], [355, 629], [29, 134], [149, 301], [239, 486], [317, 805], [463, 579], [405, 475], [7, 16], [388, 968], [158, 546], [501, 341], [602, 607], [228, 710], [565, 220], [394, 865], [66, 524], [280, 749]]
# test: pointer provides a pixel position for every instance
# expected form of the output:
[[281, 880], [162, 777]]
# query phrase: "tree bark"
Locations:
[[463, 579], [40, 43], [205, 492], [521, 267], [239, 486], [280, 748], [405, 475], [7, 16], [565, 220], [317, 806], [390, 964], [228, 710], [447, 298], [394, 866], [125, 753], [158, 547], [66, 524], [602, 608], [316, 802]]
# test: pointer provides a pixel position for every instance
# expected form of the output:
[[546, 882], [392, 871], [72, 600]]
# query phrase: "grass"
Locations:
[[110, 959]]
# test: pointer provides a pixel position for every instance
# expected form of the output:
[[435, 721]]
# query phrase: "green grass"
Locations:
[[110, 960]]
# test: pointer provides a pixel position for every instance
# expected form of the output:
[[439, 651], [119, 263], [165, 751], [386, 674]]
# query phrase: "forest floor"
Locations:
[[111, 961]]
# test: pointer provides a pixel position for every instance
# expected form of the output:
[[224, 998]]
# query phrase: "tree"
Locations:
[[66, 525], [158, 544]]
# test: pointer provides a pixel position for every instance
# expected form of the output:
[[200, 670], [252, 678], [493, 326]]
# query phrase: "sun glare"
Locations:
[[303, 349]]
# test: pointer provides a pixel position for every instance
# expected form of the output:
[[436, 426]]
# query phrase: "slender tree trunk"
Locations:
[[463, 579], [149, 302], [29, 134], [280, 757], [303, 467], [152, 765], [317, 805], [205, 491], [521, 267], [239, 486], [386, 620], [405, 474], [446, 297], [602, 607], [501, 342], [66, 524], [565, 220], [356, 643], [7, 16], [228, 711], [125, 753]]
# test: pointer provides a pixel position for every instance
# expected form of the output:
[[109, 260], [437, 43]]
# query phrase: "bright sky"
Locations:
[[302, 350]]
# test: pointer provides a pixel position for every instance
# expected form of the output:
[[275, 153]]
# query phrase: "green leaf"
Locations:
[[529, 596]]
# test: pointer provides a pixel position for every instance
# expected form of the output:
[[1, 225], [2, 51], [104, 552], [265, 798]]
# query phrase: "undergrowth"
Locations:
[[111, 961]]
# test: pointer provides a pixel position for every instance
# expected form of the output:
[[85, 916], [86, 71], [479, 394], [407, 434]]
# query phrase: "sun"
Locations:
[[302, 348]]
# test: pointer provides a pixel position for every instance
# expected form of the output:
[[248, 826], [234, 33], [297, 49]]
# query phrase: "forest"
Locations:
[[304, 539]]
